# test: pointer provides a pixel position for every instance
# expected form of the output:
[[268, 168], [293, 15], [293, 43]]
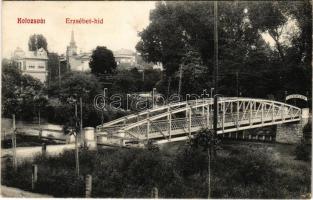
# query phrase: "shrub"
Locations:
[[303, 151], [240, 172]]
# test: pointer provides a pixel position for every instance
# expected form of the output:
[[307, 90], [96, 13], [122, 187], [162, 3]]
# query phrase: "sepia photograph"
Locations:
[[156, 99]]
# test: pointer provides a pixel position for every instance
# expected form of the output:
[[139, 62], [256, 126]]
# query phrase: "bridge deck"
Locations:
[[182, 120]]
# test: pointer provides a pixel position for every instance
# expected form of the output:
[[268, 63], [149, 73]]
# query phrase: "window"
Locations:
[[41, 67], [31, 66]]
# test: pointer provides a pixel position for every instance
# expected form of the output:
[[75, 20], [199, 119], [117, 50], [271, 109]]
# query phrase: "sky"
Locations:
[[121, 23]]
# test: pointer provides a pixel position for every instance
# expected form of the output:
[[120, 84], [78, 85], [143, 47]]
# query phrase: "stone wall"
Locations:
[[292, 133]]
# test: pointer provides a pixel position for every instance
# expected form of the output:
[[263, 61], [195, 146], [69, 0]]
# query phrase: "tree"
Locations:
[[53, 66], [72, 127], [21, 94], [176, 28], [208, 141], [78, 84], [303, 151], [102, 61], [37, 41], [163, 40]]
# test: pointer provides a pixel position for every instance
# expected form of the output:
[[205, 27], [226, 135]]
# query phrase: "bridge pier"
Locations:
[[90, 139], [292, 133]]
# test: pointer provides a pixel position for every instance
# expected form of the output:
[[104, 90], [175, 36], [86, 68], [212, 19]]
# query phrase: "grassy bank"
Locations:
[[240, 170]]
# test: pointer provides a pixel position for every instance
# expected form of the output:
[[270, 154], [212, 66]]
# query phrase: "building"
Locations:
[[77, 61], [125, 56], [142, 65], [158, 66], [80, 61], [33, 63]]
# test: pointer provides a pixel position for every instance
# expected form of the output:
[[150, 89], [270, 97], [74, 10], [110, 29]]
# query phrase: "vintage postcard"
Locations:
[[156, 99]]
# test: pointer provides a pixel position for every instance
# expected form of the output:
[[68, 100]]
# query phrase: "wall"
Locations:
[[292, 133]]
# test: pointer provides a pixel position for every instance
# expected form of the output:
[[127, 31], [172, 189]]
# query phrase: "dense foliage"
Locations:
[[21, 94], [237, 172], [37, 41], [267, 44], [56, 68], [102, 61]]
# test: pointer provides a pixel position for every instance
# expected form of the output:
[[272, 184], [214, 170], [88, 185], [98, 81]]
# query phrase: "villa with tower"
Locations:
[[79, 61], [33, 63]]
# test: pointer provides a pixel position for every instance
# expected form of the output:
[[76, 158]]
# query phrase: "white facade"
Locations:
[[125, 56], [77, 61], [158, 66], [80, 61], [33, 63]]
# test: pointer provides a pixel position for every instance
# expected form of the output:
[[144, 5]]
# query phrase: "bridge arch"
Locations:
[[181, 120]]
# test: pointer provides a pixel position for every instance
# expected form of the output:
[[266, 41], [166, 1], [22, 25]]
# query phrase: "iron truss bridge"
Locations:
[[179, 121]]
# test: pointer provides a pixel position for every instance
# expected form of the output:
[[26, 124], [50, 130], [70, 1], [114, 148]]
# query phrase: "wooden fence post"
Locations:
[[154, 193], [34, 176], [88, 188]]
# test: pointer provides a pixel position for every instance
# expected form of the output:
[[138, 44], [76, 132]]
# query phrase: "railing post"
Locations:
[[231, 109], [137, 118], [189, 121], [215, 114], [148, 129], [202, 109], [169, 125], [125, 121], [273, 110], [148, 126], [251, 109], [223, 115], [262, 113], [208, 116], [238, 114]]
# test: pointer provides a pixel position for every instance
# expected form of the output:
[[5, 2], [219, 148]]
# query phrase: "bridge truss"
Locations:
[[179, 121]]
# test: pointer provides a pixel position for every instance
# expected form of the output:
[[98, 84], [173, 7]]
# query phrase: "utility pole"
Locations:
[[76, 141], [153, 93], [215, 114], [104, 95], [81, 115], [180, 78], [14, 143], [143, 79], [39, 123], [237, 84], [216, 68], [59, 66], [216, 46], [143, 75]]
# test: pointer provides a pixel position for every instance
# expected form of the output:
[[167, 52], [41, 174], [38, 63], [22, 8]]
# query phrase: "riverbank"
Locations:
[[240, 170]]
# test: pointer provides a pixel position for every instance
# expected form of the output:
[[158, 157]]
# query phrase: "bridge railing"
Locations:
[[232, 113]]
